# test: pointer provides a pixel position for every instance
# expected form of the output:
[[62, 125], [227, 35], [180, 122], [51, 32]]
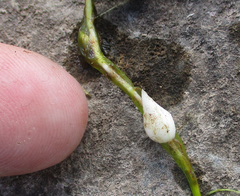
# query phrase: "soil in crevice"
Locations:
[[234, 32]]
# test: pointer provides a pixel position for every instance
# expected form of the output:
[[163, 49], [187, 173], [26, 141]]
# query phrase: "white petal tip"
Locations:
[[158, 122]]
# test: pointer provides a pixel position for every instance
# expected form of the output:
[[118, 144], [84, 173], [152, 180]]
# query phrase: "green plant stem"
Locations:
[[221, 190], [90, 48], [178, 152]]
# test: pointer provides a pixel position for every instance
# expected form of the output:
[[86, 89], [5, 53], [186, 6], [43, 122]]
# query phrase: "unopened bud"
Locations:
[[158, 122]]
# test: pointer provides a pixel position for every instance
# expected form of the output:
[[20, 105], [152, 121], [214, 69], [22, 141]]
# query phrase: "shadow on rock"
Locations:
[[161, 68]]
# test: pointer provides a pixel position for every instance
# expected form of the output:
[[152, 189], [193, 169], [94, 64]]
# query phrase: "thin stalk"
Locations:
[[112, 8], [221, 190], [90, 48]]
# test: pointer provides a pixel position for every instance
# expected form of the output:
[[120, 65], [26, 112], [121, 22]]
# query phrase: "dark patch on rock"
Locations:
[[153, 64], [234, 32]]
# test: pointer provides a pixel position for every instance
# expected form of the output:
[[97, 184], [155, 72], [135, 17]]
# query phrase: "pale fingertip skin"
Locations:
[[158, 122], [43, 112]]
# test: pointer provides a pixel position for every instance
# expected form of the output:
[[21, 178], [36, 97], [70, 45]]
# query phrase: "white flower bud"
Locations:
[[158, 122]]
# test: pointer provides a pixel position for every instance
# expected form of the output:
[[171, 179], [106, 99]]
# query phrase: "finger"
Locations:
[[43, 112]]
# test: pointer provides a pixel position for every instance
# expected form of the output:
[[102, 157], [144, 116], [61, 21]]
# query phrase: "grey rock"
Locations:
[[184, 53]]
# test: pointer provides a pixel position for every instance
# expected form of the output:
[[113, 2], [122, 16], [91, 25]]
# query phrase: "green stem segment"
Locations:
[[221, 190], [178, 152], [90, 48]]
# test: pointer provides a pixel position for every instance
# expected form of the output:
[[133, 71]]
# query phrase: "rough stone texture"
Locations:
[[185, 53]]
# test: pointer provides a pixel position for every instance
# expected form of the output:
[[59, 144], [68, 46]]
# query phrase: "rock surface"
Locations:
[[184, 53]]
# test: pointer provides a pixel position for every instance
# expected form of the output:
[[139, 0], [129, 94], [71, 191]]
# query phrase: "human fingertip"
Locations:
[[43, 110]]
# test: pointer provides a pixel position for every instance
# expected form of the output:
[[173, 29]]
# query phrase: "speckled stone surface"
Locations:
[[184, 53]]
